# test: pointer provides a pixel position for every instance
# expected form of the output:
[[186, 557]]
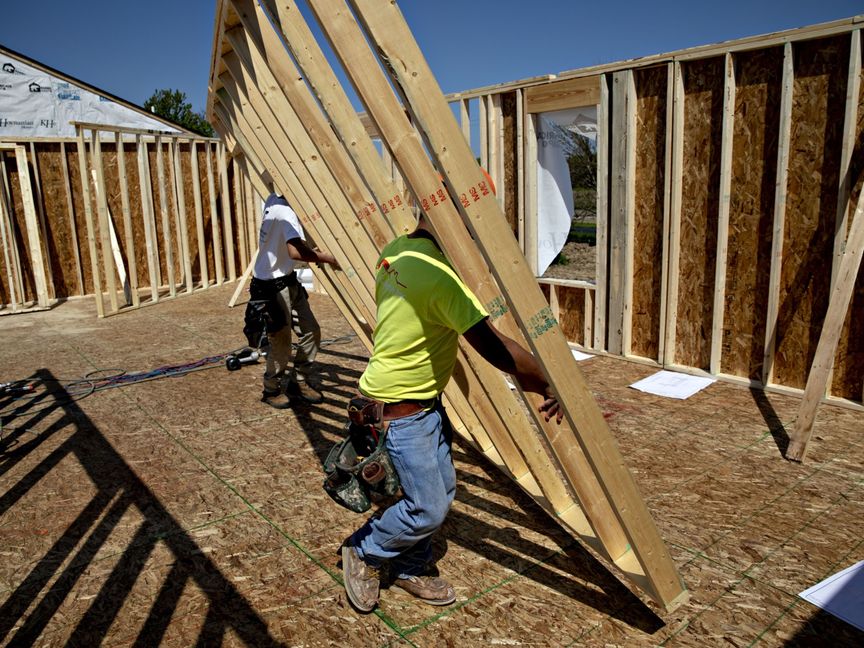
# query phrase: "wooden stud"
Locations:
[[841, 295], [675, 171], [34, 240], [39, 201], [777, 235], [529, 233], [216, 233], [483, 123], [70, 211], [225, 197], [841, 224], [5, 187], [127, 223], [9, 258], [629, 186], [665, 280], [167, 240], [728, 128], [465, 119], [602, 232], [199, 215], [104, 219], [116, 254], [520, 170], [588, 319], [148, 217], [621, 218], [240, 211], [88, 219]]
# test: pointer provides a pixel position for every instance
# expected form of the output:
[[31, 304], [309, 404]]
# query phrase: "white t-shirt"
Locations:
[[278, 226]]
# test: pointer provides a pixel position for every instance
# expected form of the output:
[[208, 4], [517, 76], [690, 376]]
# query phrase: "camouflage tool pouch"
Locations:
[[358, 471]]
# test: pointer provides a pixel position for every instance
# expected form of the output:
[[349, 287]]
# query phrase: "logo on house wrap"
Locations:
[[35, 87], [67, 92], [16, 123], [8, 68]]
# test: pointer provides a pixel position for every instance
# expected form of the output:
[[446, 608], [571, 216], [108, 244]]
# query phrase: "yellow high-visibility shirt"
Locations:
[[422, 307]]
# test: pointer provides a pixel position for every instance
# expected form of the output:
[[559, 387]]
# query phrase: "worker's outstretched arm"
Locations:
[[299, 251], [507, 355]]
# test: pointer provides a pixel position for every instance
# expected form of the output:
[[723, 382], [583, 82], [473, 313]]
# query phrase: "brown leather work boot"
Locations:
[[362, 582], [276, 398], [429, 589], [305, 391]]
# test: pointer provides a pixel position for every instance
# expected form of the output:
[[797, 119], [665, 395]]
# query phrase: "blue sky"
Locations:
[[132, 48]]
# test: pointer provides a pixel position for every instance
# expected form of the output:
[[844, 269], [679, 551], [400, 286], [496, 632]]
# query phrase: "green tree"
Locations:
[[173, 106]]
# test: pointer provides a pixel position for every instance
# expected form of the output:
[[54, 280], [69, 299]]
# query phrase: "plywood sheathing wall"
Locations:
[[64, 235], [818, 104], [648, 218], [571, 313], [703, 100], [848, 377], [754, 164]]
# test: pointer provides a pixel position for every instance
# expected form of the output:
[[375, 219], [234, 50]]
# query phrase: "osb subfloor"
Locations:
[[182, 511]]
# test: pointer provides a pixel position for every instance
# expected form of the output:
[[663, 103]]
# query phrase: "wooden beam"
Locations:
[[728, 127], [520, 169], [785, 133], [665, 280], [34, 239], [621, 213], [823, 360], [529, 235], [601, 249], [560, 95], [132, 275], [675, 170], [39, 202], [148, 217], [199, 215], [167, 240], [88, 219], [9, 258], [216, 233], [225, 198]]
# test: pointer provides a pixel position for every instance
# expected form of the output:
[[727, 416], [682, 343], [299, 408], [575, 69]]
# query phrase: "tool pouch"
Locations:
[[358, 470], [365, 411]]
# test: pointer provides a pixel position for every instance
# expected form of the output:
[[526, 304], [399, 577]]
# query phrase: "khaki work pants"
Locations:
[[278, 372]]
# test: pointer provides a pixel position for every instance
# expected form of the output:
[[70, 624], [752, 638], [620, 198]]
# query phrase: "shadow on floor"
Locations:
[[29, 608], [775, 425], [531, 560]]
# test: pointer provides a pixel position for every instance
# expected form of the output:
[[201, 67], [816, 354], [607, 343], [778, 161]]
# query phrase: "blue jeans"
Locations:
[[419, 446]]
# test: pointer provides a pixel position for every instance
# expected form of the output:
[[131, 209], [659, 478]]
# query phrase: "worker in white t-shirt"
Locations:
[[280, 243]]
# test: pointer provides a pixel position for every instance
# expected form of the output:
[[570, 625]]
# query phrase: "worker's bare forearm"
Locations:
[[506, 354], [299, 251]]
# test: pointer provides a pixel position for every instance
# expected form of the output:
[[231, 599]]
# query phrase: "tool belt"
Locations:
[[358, 470], [263, 313], [269, 288], [367, 411]]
